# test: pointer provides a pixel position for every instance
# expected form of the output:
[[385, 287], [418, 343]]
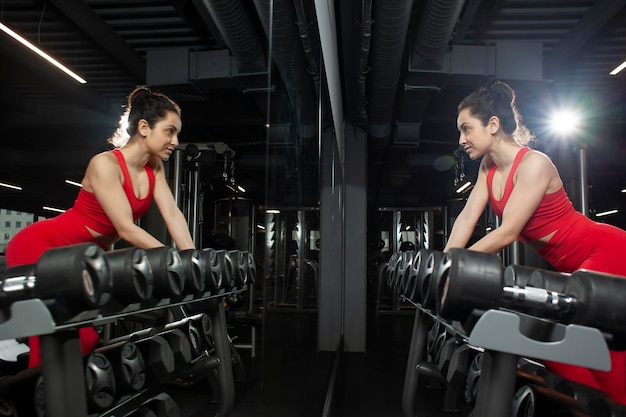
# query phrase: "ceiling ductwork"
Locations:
[[290, 59], [391, 22], [237, 28], [435, 31]]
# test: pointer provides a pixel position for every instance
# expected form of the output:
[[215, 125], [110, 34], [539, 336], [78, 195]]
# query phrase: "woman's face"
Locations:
[[162, 139], [474, 137]]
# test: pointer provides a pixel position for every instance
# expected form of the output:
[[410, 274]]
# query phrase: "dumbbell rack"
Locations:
[[504, 336], [61, 355]]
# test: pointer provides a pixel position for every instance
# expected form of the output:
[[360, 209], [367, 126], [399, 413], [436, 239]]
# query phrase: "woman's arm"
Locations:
[[535, 176], [173, 217], [465, 222], [104, 178]]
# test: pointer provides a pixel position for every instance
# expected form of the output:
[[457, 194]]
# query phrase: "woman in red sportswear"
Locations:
[[117, 189], [525, 190]]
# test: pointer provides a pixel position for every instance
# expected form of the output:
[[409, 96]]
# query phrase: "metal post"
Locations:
[[584, 191], [416, 355]]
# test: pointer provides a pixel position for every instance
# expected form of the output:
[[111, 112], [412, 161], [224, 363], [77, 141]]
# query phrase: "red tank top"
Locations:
[[91, 213], [553, 212]]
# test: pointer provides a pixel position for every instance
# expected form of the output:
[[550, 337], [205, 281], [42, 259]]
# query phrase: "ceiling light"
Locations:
[[271, 211], [618, 69], [241, 189], [465, 187], [41, 53], [260, 226], [13, 187], [53, 209], [624, 190], [74, 183], [606, 213]]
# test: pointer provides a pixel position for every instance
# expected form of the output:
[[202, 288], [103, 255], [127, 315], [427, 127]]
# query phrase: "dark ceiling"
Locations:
[[403, 67]]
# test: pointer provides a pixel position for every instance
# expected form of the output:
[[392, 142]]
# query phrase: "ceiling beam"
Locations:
[[88, 21], [576, 39]]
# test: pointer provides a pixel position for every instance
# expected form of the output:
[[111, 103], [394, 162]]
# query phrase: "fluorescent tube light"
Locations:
[[618, 69], [74, 183], [606, 213], [41, 53], [53, 209], [464, 187], [13, 187]]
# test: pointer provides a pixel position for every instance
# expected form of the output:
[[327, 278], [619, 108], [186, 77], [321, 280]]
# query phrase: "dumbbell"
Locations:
[[76, 276], [457, 372], [133, 281], [213, 267], [536, 400], [473, 280], [167, 269], [251, 269], [181, 348], [159, 359], [583, 394], [244, 262], [194, 271], [522, 276], [472, 379], [99, 382], [198, 330], [402, 266], [391, 268], [161, 405], [429, 280], [227, 266], [128, 365], [604, 407], [412, 286]]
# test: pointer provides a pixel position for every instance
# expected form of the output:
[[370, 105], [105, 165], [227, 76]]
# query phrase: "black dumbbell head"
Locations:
[[133, 281]]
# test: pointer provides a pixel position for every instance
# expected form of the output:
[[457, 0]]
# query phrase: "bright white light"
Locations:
[[74, 183], [464, 187], [260, 226], [624, 190], [41, 53], [565, 122], [618, 69], [53, 209], [606, 213], [270, 211], [13, 187], [241, 189]]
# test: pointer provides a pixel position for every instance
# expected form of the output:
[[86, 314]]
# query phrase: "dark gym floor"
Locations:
[[290, 377]]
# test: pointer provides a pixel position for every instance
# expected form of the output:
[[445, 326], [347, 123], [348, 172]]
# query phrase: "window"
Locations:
[[7, 236], [8, 211], [7, 224], [18, 224]]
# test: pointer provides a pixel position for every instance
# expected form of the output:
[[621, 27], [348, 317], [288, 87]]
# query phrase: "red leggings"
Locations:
[[596, 247], [27, 246]]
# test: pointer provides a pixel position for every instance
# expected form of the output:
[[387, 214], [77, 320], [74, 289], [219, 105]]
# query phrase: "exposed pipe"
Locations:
[[435, 29], [289, 57], [391, 21], [366, 37], [237, 27], [305, 38]]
